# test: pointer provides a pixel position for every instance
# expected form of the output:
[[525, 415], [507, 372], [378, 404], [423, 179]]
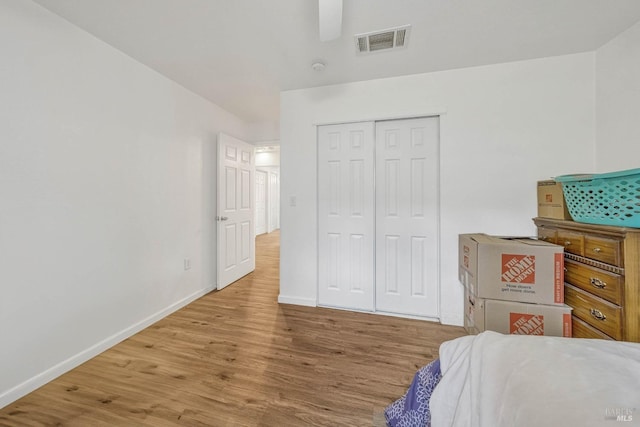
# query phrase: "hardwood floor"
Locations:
[[238, 358]]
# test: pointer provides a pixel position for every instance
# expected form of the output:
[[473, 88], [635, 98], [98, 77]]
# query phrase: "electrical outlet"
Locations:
[[187, 263]]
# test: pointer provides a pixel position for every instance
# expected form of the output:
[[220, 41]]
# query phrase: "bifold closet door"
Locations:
[[407, 216], [346, 215]]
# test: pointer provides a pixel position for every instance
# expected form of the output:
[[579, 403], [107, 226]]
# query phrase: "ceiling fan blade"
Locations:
[[330, 19]]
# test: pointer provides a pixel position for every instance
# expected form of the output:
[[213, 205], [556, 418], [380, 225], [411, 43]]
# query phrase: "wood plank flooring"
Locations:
[[238, 358]]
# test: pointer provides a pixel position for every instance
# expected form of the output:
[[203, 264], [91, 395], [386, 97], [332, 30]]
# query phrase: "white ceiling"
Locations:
[[241, 53]]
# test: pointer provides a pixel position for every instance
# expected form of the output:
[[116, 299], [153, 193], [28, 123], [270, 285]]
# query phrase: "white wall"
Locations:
[[106, 184], [618, 102], [504, 127], [262, 131]]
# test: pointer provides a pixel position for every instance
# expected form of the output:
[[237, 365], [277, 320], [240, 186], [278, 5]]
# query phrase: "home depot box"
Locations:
[[551, 200], [512, 268], [473, 313], [509, 317]]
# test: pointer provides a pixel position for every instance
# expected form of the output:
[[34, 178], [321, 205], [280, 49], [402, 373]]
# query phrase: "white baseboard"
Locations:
[[42, 378], [309, 302], [451, 319], [385, 313], [409, 316]]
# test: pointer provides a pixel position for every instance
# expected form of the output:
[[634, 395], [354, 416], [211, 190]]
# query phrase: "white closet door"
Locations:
[[346, 215], [407, 216]]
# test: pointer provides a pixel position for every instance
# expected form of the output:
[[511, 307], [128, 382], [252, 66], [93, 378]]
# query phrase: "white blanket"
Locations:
[[492, 380]]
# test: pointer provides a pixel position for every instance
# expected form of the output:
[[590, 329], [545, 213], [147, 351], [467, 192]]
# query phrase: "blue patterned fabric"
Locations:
[[412, 409]]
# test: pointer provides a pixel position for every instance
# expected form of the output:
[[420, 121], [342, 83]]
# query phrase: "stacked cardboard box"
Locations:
[[513, 285], [551, 203]]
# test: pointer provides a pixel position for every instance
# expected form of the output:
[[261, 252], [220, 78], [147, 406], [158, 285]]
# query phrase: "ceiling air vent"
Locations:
[[392, 38]]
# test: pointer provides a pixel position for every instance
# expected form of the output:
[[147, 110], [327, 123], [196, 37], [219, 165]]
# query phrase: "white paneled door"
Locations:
[[235, 213], [346, 216], [378, 216], [407, 216]]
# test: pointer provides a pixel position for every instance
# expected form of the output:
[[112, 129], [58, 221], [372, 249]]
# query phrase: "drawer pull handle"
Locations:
[[567, 242], [597, 314], [597, 250], [598, 283]]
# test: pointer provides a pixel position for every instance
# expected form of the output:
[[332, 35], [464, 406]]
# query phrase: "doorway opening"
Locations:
[[267, 160]]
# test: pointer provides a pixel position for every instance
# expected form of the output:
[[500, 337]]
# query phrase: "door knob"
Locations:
[[222, 218]]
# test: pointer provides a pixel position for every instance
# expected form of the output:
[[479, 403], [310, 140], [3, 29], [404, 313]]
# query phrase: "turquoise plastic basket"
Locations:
[[607, 199]]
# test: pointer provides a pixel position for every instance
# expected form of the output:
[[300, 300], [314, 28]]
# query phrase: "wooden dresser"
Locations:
[[602, 277]]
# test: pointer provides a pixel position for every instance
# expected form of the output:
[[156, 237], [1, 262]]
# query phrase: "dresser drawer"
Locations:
[[580, 329], [547, 234], [572, 242], [594, 280], [608, 251], [595, 311]]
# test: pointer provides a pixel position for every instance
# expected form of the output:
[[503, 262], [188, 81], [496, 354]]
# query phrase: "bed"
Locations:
[[496, 380]]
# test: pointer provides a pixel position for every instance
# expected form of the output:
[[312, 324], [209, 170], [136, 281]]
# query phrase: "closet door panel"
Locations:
[[407, 216], [346, 216]]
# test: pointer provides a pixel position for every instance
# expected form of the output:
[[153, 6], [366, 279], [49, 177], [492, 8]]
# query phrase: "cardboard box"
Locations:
[[512, 268], [551, 202], [473, 313], [509, 317]]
